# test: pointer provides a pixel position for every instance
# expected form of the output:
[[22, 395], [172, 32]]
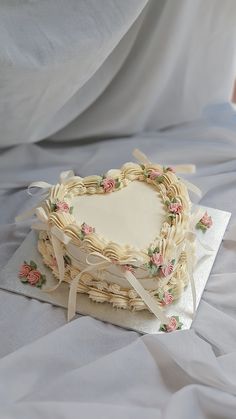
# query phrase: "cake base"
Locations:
[[140, 321]]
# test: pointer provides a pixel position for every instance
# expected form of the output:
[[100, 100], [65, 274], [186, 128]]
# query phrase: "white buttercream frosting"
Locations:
[[133, 215]]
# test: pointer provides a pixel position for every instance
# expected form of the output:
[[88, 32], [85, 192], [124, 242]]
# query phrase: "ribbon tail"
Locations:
[[73, 295], [191, 187], [193, 289], [58, 251], [140, 156], [64, 176], [74, 285], [39, 226], [185, 168], [146, 297], [190, 266], [25, 215]]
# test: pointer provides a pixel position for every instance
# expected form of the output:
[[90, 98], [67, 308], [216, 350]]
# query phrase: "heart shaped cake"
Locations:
[[122, 238]]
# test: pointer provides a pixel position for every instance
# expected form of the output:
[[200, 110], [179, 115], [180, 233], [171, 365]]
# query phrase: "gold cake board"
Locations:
[[140, 321]]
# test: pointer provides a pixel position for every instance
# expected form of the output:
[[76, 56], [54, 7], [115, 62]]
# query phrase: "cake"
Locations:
[[124, 238]]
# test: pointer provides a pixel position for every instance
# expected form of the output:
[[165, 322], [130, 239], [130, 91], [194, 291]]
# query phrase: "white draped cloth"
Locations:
[[93, 72], [95, 68]]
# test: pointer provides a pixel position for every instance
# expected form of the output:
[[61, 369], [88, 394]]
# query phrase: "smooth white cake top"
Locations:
[[133, 215]]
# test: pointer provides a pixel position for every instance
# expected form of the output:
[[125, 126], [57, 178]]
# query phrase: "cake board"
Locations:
[[140, 321]]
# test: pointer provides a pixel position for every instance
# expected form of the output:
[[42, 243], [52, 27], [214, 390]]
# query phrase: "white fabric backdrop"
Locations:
[[111, 66], [116, 67]]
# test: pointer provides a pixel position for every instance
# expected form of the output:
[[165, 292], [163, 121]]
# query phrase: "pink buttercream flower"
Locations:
[[157, 259], [175, 208], [108, 184], [167, 269], [34, 277], [62, 206], [172, 325], [86, 229], [24, 270], [206, 220], [167, 298], [154, 174]]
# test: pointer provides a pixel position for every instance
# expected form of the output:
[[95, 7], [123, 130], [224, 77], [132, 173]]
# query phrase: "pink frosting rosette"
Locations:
[[86, 229], [154, 174], [206, 220], [33, 277], [167, 269], [62, 206], [172, 325], [108, 184], [175, 208], [24, 270], [167, 298]]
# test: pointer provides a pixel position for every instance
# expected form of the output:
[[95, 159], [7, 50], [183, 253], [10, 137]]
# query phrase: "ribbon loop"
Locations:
[[140, 156], [40, 185], [41, 214], [185, 168], [64, 176], [96, 255], [150, 302], [190, 267], [40, 226]]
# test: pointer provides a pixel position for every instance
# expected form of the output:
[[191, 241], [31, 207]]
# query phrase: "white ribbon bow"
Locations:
[[64, 176]]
